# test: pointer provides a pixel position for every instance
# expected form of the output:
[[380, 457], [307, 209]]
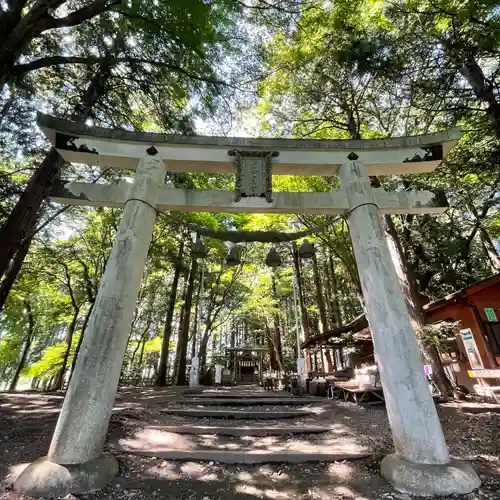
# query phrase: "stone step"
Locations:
[[153, 442], [240, 395], [239, 431], [236, 414], [249, 457], [209, 401]]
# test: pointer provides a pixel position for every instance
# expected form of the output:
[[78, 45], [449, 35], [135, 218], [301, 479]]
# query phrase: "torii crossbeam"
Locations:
[[123, 149], [75, 464]]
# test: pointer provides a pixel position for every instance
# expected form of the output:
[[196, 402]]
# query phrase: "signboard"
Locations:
[[218, 374], [484, 373], [301, 366], [490, 314], [253, 173], [471, 348]]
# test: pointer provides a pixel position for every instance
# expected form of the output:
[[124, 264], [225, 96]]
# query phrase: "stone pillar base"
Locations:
[[44, 478], [429, 479]]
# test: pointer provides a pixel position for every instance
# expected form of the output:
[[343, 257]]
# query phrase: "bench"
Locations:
[[363, 387], [492, 390], [359, 394]]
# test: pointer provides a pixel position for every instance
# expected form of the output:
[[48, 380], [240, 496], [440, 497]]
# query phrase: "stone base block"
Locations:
[[429, 479], [44, 478]]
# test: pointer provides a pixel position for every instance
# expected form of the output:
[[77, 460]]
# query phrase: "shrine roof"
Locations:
[[452, 298], [358, 324], [80, 143], [248, 348]]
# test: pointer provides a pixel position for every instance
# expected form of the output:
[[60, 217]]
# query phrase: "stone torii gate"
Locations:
[[75, 462]]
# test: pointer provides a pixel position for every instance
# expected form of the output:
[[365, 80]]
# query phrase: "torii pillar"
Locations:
[[421, 464], [75, 462]]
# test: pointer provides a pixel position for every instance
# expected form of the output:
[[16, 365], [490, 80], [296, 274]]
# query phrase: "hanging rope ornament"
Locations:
[[199, 250], [261, 236], [306, 250], [273, 258], [233, 256]]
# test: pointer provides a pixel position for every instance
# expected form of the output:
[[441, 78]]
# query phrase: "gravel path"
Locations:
[[27, 422]]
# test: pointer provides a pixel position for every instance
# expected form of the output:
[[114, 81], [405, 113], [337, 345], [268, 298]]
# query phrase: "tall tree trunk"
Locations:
[[193, 337], [26, 348], [202, 354], [59, 378], [232, 355], [411, 294], [276, 363], [300, 290], [276, 321], [283, 331], [277, 340], [319, 294], [196, 324], [334, 288], [327, 286], [141, 355], [322, 311], [180, 378], [270, 346], [13, 271], [161, 376], [80, 340], [139, 343], [475, 77], [180, 322], [214, 343], [490, 249], [24, 217]]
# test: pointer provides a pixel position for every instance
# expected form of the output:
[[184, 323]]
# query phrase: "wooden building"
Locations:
[[348, 346], [477, 343], [475, 350], [245, 364]]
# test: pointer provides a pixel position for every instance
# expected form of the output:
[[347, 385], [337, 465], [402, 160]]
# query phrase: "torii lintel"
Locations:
[[79, 143]]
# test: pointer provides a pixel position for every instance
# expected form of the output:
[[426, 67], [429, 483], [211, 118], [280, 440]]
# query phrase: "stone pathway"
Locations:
[[247, 401], [27, 422], [250, 443]]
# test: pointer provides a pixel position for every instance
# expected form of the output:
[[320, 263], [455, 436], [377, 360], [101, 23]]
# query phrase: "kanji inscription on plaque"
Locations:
[[253, 173]]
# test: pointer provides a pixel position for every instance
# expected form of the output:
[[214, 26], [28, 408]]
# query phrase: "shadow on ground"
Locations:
[[149, 477], [27, 421]]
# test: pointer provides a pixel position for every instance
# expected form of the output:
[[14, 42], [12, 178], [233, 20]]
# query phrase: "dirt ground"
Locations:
[[27, 421]]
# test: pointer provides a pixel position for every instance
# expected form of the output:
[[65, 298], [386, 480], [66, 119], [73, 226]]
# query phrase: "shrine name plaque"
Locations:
[[253, 174]]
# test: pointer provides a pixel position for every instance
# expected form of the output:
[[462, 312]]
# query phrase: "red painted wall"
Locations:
[[460, 310]]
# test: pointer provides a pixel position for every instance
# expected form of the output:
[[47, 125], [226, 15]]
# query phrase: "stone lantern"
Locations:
[[233, 256], [273, 258], [199, 250], [306, 250]]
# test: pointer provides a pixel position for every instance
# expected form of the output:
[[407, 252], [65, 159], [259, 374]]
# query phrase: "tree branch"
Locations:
[[84, 14], [45, 62]]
